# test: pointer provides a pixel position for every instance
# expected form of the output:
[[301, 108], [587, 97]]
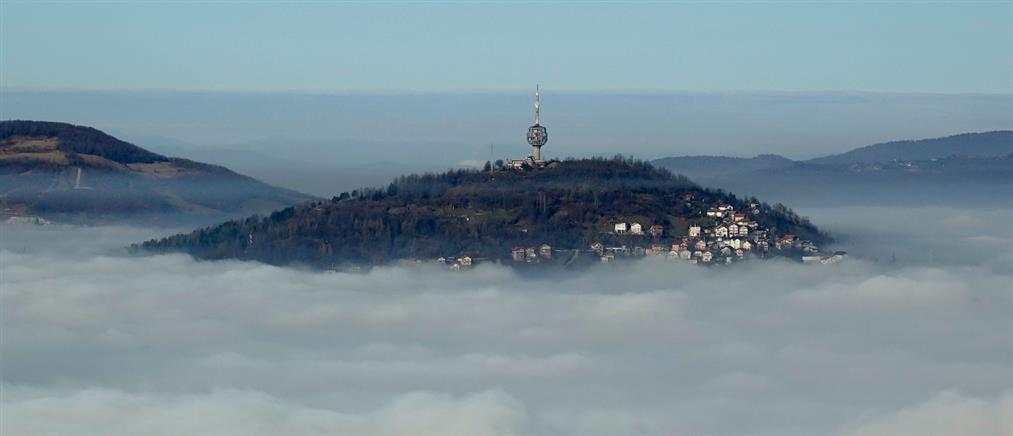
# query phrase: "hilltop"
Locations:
[[72, 173], [485, 215]]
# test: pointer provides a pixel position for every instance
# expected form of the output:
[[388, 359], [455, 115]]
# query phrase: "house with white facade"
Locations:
[[545, 250], [622, 228], [636, 229]]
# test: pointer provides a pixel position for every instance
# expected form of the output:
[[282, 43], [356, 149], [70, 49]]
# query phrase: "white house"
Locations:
[[707, 256], [622, 228], [746, 245], [721, 232], [694, 231], [636, 229], [545, 250], [743, 231]]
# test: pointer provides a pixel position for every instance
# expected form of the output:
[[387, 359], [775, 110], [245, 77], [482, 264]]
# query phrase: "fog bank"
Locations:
[[96, 342]]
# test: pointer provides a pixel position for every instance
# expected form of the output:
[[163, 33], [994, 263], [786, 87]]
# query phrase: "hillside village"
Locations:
[[731, 236]]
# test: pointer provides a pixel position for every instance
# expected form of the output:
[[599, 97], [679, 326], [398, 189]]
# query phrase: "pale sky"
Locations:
[[938, 47]]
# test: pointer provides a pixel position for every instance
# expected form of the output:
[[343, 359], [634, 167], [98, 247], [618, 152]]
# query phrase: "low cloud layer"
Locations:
[[102, 343]]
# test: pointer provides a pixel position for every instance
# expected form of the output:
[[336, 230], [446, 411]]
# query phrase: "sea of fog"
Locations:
[[910, 336]]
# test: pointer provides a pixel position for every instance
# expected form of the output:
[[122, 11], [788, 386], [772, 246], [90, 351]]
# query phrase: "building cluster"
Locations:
[[456, 263], [730, 236], [531, 254]]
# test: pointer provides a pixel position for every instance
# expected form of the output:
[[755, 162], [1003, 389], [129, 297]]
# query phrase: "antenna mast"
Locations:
[[538, 105]]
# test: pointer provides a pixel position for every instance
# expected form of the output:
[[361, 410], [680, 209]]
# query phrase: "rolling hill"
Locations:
[[70, 173], [986, 144], [974, 169]]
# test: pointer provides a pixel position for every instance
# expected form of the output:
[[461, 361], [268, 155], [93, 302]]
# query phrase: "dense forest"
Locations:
[[481, 213]]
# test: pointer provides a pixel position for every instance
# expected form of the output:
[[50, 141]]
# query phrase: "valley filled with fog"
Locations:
[[908, 336]]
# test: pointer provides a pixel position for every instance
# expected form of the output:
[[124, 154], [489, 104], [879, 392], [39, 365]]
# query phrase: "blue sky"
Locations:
[[463, 47]]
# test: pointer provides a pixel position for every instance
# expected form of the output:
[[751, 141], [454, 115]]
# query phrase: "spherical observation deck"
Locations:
[[537, 135]]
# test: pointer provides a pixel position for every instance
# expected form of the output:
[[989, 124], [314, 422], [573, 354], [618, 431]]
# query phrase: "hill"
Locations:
[[972, 169], [986, 144], [484, 214], [72, 173]]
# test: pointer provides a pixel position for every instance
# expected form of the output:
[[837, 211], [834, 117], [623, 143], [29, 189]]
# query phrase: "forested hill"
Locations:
[[479, 213]]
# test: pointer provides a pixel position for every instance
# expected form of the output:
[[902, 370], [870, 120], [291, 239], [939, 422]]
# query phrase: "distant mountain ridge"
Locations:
[[73, 173], [708, 166], [985, 144], [969, 168]]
